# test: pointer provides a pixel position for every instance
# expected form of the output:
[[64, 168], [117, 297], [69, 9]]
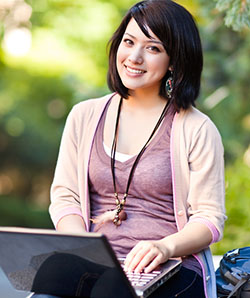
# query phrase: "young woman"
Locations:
[[142, 165]]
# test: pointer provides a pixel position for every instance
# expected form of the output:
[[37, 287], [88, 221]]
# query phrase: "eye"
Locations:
[[154, 49], [128, 41]]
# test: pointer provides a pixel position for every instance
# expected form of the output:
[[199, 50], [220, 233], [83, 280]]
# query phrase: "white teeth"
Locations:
[[134, 70]]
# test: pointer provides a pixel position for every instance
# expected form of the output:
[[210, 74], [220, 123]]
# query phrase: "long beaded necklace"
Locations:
[[120, 214]]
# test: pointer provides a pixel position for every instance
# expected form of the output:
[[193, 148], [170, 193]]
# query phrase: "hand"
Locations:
[[146, 255]]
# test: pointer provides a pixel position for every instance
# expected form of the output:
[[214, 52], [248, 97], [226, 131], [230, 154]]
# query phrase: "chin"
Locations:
[[134, 86]]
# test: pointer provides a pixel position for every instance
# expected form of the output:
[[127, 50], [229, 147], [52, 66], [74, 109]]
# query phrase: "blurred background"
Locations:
[[53, 55]]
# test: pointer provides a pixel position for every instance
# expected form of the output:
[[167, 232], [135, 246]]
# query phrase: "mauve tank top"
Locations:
[[149, 205]]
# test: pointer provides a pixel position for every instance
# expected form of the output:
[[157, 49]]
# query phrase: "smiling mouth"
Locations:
[[133, 70]]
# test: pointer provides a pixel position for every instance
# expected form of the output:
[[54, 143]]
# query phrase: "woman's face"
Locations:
[[141, 62]]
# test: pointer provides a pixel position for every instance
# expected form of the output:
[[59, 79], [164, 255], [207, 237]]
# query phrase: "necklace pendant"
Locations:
[[118, 223], [119, 217], [116, 220], [123, 215]]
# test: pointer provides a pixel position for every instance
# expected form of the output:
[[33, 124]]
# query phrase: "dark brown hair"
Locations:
[[176, 29]]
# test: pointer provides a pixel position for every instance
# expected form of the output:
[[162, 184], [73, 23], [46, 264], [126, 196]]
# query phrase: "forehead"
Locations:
[[134, 29]]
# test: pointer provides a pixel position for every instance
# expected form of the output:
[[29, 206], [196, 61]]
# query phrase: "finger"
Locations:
[[148, 252], [156, 262], [146, 260], [129, 258], [135, 252], [137, 259]]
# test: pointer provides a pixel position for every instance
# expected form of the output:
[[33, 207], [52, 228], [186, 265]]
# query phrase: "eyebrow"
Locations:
[[151, 40]]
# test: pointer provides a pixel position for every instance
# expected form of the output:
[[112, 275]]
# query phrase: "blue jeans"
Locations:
[[184, 284]]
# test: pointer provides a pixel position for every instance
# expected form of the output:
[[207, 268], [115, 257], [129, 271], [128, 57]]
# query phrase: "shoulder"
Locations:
[[88, 109], [90, 106], [194, 122], [192, 129], [86, 112], [193, 116]]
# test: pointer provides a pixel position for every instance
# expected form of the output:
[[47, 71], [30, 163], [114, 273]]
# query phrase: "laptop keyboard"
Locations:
[[139, 279]]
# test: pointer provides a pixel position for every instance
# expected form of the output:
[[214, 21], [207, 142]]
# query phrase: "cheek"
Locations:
[[162, 64], [120, 56]]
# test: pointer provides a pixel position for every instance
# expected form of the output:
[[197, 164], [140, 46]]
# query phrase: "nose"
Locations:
[[136, 56]]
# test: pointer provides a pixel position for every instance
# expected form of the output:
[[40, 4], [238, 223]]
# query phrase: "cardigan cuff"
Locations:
[[215, 233]]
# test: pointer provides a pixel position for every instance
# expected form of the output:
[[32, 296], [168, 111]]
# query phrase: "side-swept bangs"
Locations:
[[176, 29]]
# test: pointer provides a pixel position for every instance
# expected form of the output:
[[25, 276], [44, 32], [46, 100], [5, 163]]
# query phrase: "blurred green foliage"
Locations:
[[237, 13], [67, 63], [16, 212], [237, 231]]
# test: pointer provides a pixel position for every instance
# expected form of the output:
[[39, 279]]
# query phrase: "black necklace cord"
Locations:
[[113, 148], [120, 203]]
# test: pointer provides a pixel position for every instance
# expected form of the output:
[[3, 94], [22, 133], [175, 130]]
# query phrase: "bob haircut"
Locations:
[[176, 29]]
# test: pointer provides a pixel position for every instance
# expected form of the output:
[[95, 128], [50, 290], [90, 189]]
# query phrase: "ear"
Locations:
[[171, 68]]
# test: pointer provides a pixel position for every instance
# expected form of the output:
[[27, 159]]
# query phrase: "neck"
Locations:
[[144, 100]]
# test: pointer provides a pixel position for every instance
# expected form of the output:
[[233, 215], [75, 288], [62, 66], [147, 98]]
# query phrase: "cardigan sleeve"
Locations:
[[64, 189], [206, 196]]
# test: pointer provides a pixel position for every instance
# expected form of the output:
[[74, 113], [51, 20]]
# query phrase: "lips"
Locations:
[[134, 70]]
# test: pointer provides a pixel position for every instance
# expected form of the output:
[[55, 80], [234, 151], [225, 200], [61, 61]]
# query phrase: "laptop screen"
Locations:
[[59, 264]]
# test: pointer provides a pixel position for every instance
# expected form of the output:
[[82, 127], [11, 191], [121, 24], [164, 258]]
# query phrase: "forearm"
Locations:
[[149, 254], [71, 223], [191, 239]]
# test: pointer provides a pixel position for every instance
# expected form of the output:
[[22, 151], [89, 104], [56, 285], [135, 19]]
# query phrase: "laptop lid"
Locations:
[[49, 262]]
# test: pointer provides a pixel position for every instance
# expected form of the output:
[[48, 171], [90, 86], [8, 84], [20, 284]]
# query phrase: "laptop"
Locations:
[[50, 262]]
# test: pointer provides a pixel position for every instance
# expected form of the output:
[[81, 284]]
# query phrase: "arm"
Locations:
[[191, 239], [65, 209], [71, 223]]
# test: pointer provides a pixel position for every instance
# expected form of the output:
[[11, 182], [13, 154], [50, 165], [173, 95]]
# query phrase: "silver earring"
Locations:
[[169, 85]]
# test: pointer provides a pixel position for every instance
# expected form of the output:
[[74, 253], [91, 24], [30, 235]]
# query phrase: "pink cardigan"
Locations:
[[197, 172]]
